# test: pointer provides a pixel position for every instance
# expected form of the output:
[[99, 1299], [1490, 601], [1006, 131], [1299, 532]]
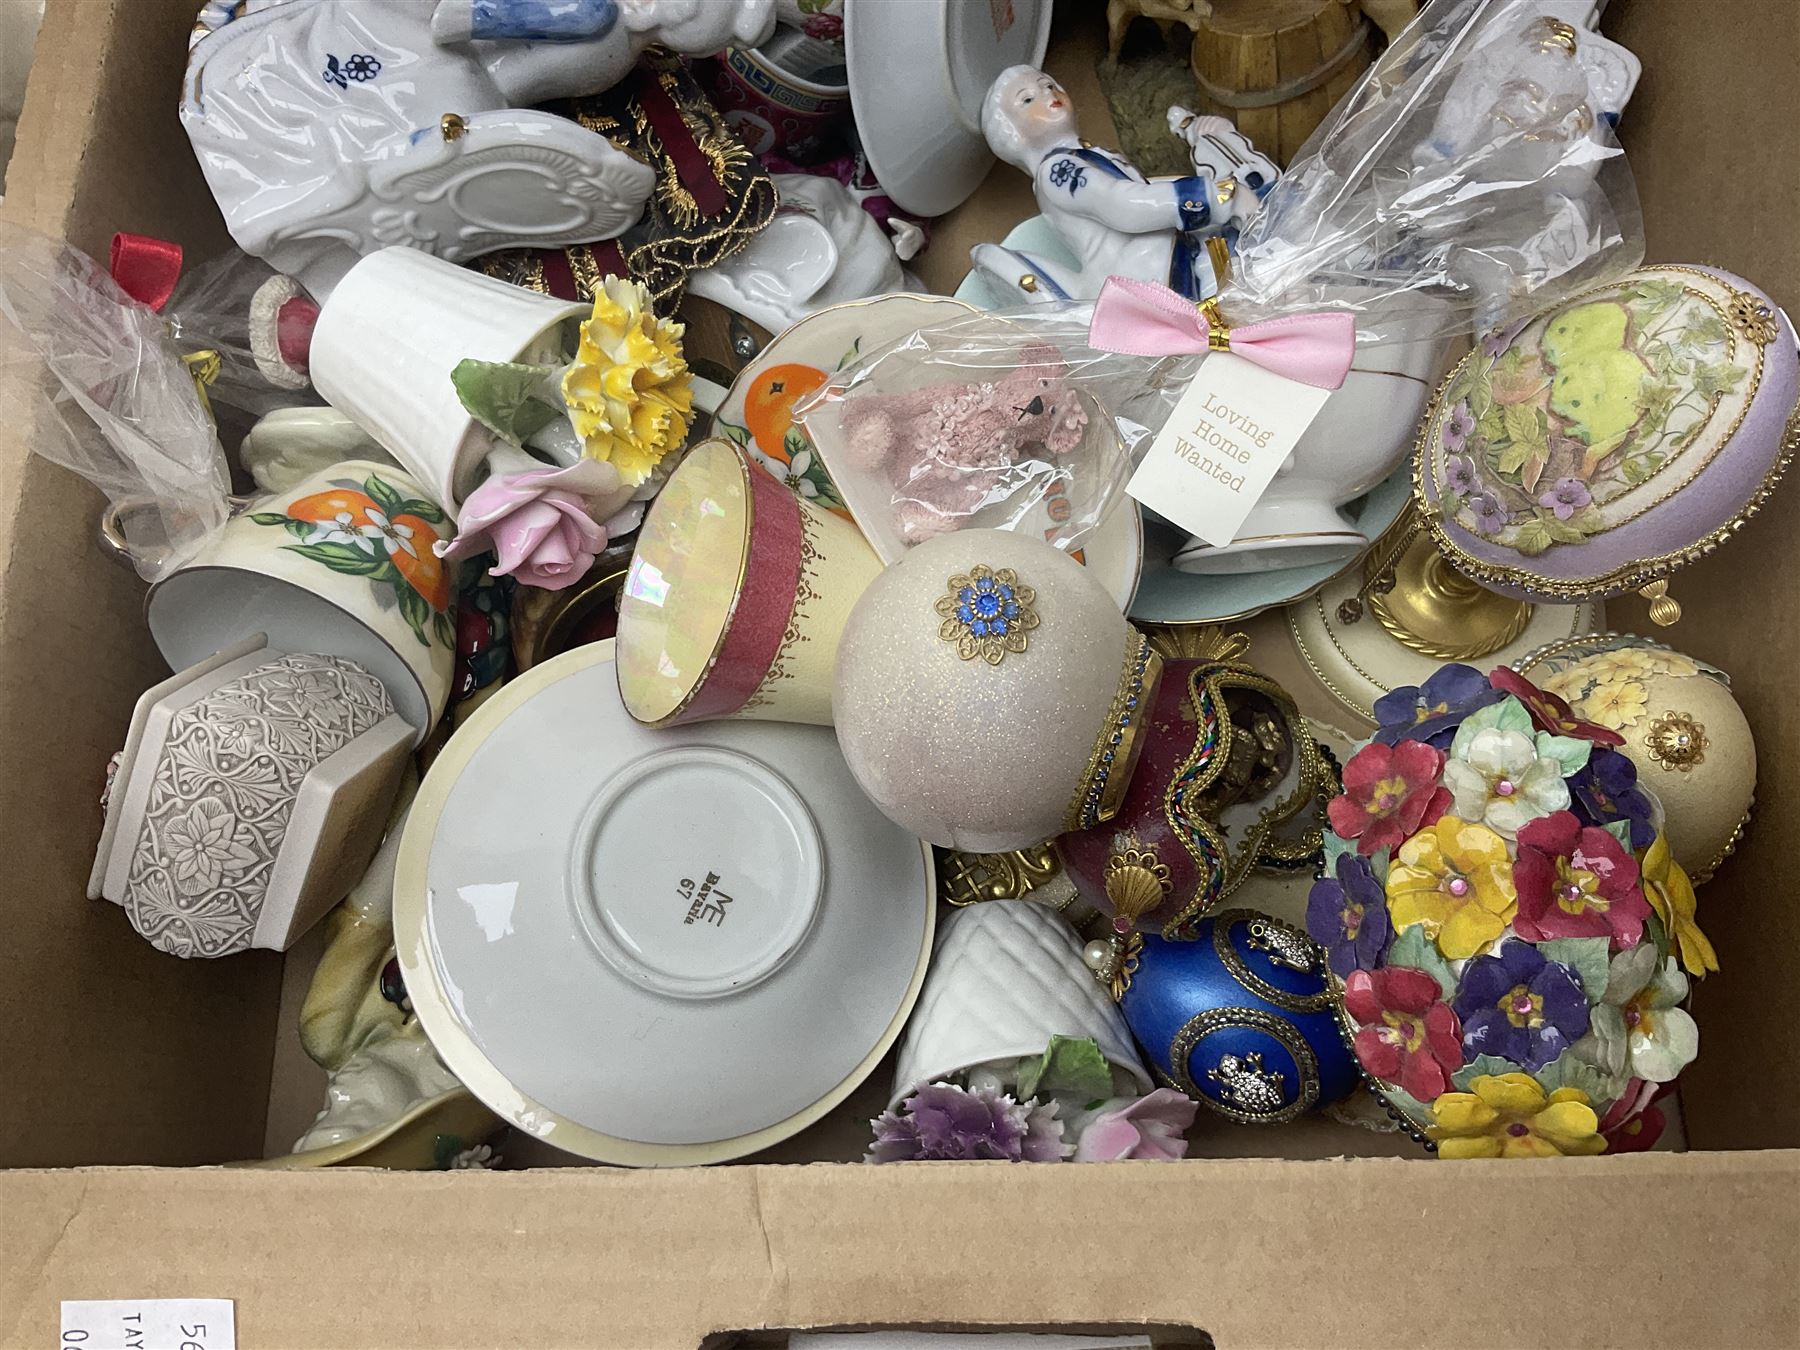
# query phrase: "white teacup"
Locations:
[[1362, 434], [342, 565]]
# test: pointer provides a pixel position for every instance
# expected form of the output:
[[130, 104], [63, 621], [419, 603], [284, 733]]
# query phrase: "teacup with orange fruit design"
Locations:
[[342, 565]]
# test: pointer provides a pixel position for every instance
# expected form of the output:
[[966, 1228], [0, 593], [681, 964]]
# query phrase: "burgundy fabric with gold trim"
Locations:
[[711, 194]]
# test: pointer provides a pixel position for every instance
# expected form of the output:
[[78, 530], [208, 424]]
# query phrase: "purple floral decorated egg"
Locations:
[[1597, 446]]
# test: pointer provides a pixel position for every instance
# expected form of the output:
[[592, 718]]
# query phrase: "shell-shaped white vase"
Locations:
[[1007, 975]]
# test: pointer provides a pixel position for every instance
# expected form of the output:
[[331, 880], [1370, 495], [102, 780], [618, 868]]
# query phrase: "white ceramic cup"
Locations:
[[396, 326], [1007, 975], [340, 565], [1361, 435]]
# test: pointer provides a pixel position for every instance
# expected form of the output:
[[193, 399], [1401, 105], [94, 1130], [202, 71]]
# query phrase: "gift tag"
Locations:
[[1233, 428], [149, 1324]]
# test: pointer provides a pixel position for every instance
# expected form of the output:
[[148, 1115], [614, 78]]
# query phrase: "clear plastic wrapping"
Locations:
[[984, 422], [241, 308], [106, 394], [1467, 180]]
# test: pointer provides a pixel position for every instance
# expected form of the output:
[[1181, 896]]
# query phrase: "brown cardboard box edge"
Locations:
[[1691, 1250], [115, 1053]]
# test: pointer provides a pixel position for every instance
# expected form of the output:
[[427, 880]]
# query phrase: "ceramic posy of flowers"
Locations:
[[1509, 936], [542, 523], [623, 400], [1070, 1104]]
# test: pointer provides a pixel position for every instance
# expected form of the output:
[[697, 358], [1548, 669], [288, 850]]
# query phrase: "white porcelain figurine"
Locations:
[[1113, 219], [1220, 149], [821, 249], [329, 130]]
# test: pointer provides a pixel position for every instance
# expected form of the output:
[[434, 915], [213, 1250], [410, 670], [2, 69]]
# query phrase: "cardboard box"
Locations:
[[115, 1055]]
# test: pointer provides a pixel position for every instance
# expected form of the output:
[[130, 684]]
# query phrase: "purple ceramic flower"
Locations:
[[941, 1120], [1431, 712], [1459, 474], [1520, 1006], [1459, 426], [1606, 790], [1495, 344], [1565, 497], [1348, 917], [1490, 516]]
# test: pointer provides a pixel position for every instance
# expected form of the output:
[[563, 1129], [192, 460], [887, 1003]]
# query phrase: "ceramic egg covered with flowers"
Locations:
[[1509, 935]]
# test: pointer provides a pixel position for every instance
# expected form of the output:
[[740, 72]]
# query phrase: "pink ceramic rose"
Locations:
[[543, 524], [1153, 1128]]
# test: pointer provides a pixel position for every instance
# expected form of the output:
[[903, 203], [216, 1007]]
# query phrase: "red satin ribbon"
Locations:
[[691, 164], [145, 268]]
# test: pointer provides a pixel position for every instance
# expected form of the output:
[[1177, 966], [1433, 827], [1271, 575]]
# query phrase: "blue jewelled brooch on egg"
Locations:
[[987, 613]]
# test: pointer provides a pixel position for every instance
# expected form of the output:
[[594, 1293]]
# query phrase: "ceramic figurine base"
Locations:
[[432, 142], [1357, 662]]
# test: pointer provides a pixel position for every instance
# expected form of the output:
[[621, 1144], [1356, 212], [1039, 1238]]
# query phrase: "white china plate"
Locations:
[[824, 343], [654, 947], [918, 71]]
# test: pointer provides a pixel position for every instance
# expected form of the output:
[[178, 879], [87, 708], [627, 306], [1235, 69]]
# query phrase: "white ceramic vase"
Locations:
[[396, 326], [1007, 975]]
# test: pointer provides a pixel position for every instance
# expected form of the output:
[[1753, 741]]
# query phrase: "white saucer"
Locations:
[[654, 947], [919, 70], [1270, 553]]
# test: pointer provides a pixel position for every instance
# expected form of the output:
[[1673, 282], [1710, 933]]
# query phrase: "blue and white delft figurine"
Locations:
[[329, 130], [1218, 148], [1113, 220]]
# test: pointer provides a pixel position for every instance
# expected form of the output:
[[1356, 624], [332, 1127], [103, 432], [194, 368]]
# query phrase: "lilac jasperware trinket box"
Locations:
[[1596, 447]]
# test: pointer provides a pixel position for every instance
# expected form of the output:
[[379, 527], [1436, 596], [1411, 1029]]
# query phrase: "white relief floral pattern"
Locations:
[[225, 786], [202, 845]]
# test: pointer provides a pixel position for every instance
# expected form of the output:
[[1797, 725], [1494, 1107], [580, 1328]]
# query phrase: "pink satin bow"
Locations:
[[1140, 318]]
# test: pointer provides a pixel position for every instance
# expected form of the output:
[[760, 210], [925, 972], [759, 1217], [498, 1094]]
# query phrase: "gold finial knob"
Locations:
[[453, 126], [1665, 609]]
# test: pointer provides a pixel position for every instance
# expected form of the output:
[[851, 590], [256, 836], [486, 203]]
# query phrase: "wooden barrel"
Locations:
[[1276, 67]]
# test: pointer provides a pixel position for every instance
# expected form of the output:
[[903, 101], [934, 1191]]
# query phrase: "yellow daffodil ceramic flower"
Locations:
[[628, 391], [1509, 1115]]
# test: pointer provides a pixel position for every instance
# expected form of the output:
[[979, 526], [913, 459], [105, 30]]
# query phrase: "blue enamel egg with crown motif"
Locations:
[[1241, 1019]]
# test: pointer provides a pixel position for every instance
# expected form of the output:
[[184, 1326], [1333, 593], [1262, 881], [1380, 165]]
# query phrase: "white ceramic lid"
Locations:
[[922, 129], [654, 946]]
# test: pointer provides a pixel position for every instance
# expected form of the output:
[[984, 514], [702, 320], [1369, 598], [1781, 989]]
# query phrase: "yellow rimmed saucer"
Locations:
[[654, 948]]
